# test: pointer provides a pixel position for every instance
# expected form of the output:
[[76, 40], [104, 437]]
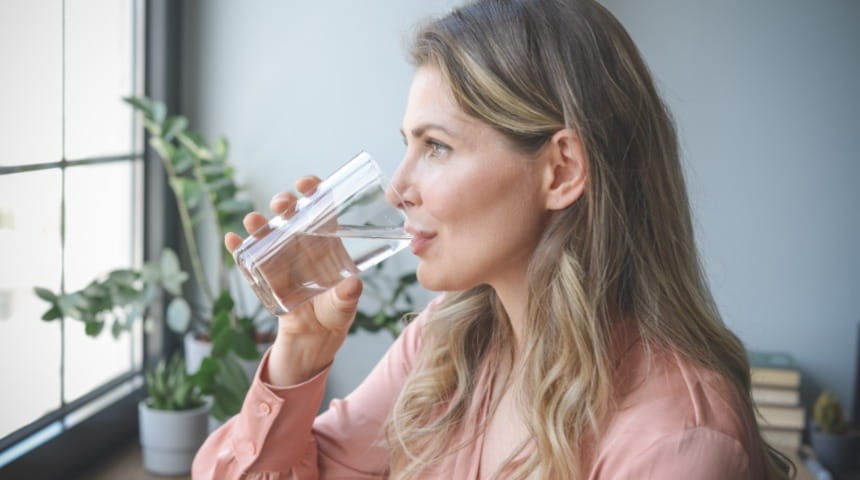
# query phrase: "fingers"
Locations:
[[283, 203], [232, 241], [347, 293], [307, 184], [253, 221], [335, 309]]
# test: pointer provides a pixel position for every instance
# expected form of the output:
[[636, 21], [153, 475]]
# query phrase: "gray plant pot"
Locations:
[[839, 453], [170, 439]]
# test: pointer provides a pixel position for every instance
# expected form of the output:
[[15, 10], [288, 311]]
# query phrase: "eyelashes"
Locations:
[[433, 148], [436, 149]]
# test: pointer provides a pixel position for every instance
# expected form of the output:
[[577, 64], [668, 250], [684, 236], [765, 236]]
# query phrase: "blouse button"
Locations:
[[250, 449], [264, 408]]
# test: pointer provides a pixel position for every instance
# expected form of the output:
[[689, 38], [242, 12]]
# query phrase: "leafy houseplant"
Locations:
[[835, 442], [170, 388], [172, 419], [399, 303], [122, 295], [202, 182]]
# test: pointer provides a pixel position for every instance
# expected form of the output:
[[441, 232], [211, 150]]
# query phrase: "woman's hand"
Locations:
[[310, 335]]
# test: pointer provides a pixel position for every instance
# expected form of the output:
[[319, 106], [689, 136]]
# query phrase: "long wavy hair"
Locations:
[[625, 249]]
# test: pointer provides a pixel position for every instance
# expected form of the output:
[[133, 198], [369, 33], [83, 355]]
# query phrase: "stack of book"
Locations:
[[776, 394]]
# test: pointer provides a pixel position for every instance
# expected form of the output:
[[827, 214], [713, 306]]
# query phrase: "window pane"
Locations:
[[30, 253], [99, 46], [31, 95], [100, 214]]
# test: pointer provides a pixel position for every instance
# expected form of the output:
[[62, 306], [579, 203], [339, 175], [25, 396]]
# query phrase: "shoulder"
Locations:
[[699, 452], [674, 415]]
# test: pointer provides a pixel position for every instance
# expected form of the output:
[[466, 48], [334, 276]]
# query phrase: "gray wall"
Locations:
[[764, 92]]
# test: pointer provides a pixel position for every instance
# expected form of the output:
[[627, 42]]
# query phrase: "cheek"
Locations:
[[445, 199], [476, 214]]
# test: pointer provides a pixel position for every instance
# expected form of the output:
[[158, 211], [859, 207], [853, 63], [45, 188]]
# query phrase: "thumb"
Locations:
[[338, 306]]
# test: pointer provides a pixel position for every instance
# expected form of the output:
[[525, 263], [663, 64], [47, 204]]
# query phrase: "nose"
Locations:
[[401, 190]]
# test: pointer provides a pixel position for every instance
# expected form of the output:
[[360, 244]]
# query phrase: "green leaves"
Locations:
[[94, 327], [52, 313], [122, 296], [196, 145], [233, 205], [172, 276], [227, 337], [170, 387], [189, 190], [245, 346], [220, 374], [392, 308], [222, 335], [229, 388], [178, 315], [164, 148], [45, 294], [196, 170], [173, 127], [223, 304], [142, 104]]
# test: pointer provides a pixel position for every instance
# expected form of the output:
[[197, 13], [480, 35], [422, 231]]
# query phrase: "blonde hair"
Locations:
[[625, 249]]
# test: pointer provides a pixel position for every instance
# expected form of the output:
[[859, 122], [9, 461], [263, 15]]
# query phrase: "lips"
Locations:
[[420, 239]]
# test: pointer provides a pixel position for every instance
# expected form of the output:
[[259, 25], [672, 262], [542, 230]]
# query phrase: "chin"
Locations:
[[428, 281], [440, 281]]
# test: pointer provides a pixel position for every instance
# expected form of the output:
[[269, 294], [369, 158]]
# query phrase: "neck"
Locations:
[[514, 299]]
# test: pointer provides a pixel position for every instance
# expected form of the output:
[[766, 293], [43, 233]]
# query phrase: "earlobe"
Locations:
[[566, 169]]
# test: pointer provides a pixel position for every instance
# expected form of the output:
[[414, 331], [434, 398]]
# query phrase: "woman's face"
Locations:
[[473, 204]]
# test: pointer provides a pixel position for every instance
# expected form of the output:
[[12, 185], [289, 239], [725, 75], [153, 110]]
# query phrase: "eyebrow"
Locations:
[[420, 129]]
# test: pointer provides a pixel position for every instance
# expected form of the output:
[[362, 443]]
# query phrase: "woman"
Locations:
[[577, 338]]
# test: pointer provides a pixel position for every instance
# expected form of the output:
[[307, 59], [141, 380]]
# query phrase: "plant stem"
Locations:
[[201, 180], [190, 241]]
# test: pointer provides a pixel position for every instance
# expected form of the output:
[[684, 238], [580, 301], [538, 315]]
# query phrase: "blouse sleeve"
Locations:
[[275, 436], [700, 453]]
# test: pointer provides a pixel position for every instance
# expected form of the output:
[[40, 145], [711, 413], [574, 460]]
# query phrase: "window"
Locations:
[[71, 202]]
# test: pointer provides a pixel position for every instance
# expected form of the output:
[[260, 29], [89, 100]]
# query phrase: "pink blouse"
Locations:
[[676, 421]]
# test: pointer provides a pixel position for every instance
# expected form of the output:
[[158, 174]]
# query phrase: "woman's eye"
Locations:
[[437, 149]]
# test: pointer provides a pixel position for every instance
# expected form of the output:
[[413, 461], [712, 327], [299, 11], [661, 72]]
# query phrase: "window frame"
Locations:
[[87, 442]]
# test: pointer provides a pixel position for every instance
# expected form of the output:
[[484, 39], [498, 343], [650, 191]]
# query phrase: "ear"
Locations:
[[565, 170]]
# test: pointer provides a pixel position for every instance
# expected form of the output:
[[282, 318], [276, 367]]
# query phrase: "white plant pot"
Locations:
[[170, 439], [196, 350]]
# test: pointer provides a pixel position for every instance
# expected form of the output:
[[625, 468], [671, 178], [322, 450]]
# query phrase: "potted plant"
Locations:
[[222, 344], [172, 419], [202, 182], [835, 441]]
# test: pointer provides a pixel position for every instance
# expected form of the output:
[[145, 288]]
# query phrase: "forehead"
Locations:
[[431, 101]]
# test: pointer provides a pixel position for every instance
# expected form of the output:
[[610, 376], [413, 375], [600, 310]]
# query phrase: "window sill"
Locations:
[[125, 462]]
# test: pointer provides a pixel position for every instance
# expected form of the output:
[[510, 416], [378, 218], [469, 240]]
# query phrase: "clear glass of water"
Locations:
[[343, 228]]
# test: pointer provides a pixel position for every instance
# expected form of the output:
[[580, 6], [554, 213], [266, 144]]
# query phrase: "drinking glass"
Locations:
[[342, 228]]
